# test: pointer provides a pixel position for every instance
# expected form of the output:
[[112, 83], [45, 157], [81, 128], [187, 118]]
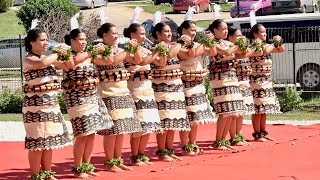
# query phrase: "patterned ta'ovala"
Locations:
[[116, 96], [198, 107], [43, 121], [168, 91], [224, 82], [86, 110], [264, 97], [243, 73], [140, 86]]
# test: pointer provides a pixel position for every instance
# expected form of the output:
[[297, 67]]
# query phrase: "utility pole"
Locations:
[[238, 8]]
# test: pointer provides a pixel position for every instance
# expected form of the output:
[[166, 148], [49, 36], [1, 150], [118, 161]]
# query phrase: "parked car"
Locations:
[[10, 51], [90, 3], [157, 2], [261, 7], [183, 5], [294, 6]]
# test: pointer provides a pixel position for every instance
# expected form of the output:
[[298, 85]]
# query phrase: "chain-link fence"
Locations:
[[11, 53]]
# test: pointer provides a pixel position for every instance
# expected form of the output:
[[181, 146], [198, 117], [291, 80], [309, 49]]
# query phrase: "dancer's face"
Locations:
[[40, 45], [79, 44], [111, 37], [139, 35], [261, 34], [165, 34], [232, 38], [191, 31], [222, 31]]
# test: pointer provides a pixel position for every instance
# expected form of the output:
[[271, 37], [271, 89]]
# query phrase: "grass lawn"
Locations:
[[203, 23], [18, 117], [9, 24], [9, 74]]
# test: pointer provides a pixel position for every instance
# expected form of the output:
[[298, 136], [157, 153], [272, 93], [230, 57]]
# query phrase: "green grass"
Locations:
[[225, 7], [149, 7], [18, 117], [9, 24], [10, 74], [203, 23]]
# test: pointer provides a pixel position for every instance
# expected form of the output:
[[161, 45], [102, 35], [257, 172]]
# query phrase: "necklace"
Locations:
[[37, 55]]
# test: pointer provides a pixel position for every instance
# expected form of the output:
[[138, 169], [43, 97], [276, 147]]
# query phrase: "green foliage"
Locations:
[[5, 4], [33, 9], [209, 91], [11, 101], [62, 103], [290, 98]]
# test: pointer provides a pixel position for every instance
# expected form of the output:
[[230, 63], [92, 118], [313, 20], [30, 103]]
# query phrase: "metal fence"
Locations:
[[300, 63]]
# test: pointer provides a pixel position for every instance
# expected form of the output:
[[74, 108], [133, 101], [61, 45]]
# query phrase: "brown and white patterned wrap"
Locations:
[[225, 86], [198, 107], [264, 97], [43, 121], [143, 95], [118, 100], [86, 110], [244, 71], [170, 98]]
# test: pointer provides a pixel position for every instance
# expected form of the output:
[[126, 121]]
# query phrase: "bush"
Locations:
[[62, 103], [11, 101], [209, 91], [5, 4], [36, 9], [290, 98]]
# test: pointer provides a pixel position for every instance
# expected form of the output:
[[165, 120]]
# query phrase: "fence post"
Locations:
[[294, 53], [21, 74]]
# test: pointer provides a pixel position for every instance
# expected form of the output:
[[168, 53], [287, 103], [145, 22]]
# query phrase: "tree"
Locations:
[[5, 4], [40, 9]]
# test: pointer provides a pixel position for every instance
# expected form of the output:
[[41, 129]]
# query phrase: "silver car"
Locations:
[[90, 3]]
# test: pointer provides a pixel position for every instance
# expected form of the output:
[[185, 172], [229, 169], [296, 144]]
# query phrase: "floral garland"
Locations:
[[162, 49], [93, 50], [107, 51], [83, 168], [277, 43], [42, 175], [238, 138], [140, 157], [243, 43], [206, 41], [132, 50], [114, 161], [190, 147], [258, 45], [62, 57]]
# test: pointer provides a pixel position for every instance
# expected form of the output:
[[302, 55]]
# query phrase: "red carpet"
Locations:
[[293, 156]]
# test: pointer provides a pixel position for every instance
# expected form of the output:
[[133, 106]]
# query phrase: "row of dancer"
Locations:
[[102, 97]]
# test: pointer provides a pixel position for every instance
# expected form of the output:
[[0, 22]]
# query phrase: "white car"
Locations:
[[90, 3]]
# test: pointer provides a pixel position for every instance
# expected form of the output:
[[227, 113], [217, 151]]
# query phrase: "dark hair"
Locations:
[[232, 30], [131, 29], [157, 28], [73, 35], [32, 35], [185, 25], [104, 28], [215, 24], [254, 30]]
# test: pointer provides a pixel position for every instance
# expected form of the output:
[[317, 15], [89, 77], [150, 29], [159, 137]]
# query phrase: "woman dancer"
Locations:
[[168, 88], [116, 96], [243, 73], [140, 86], [85, 108], [228, 103], [197, 104], [265, 100], [43, 121]]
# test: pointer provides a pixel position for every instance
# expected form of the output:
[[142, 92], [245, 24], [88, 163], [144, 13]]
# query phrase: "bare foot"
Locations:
[[224, 148], [139, 163], [124, 167], [260, 139], [92, 173], [200, 152], [246, 143], [166, 158], [82, 176], [230, 147], [113, 168], [176, 157], [240, 143], [188, 153], [148, 162], [269, 138], [53, 178]]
